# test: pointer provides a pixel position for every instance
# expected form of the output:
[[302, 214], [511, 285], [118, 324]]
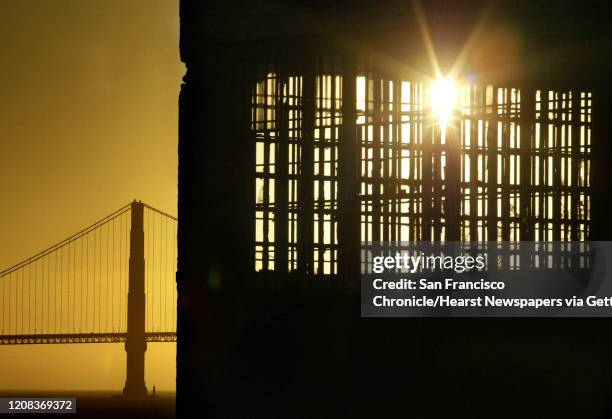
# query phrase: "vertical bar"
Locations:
[[376, 158], [505, 181], [305, 195], [319, 157], [491, 140], [386, 193], [453, 184], [527, 118], [417, 156], [281, 233], [427, 176], [473, 168], [348, 177], [574, 162], [557, 168], [396, 156]]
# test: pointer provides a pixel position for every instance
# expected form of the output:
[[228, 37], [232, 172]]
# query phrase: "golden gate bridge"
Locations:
[[113, 281]]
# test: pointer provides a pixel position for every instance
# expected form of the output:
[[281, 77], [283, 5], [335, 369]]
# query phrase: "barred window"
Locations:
[[523, 158]]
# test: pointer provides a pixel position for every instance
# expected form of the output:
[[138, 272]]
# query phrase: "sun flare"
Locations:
[[443, 99]]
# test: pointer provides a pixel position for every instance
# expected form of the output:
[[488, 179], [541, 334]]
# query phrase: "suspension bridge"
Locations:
[[113, 281]]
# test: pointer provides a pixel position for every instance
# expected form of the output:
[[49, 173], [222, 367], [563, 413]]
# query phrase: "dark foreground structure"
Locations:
[[305, 128]]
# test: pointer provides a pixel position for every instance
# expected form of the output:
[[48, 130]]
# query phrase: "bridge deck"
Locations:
[[81, 338]]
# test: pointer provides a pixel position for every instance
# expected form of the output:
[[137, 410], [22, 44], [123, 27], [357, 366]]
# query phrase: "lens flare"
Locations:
[[443, 99]]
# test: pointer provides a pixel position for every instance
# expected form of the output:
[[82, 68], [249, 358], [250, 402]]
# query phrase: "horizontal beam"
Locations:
[[81, 338]]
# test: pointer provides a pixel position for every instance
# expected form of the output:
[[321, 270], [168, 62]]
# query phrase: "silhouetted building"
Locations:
[[305, 129]]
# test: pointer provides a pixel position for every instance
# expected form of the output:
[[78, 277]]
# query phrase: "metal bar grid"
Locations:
[[389, 120], [524, 164]]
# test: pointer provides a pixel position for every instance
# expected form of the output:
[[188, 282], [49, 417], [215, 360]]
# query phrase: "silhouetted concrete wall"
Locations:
[[253, 345]]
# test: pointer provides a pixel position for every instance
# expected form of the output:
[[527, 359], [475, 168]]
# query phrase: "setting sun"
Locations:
[[443, 99]]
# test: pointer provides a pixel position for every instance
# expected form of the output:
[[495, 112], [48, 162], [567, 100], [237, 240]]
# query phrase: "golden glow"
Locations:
[[424, 29], [443, 99], [110, 84]]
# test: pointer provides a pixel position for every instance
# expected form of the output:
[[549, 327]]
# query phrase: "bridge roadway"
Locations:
[[82, 338]]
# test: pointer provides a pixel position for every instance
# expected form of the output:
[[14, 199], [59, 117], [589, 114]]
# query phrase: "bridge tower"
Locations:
[[136, 344]]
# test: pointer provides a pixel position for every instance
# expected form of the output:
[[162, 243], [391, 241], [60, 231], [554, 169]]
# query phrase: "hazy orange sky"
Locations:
[[88, 122]]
